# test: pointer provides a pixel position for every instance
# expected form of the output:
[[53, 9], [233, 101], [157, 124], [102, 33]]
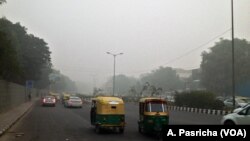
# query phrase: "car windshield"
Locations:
[[248, 104], [49, 97], [75, 98], [155, 107]]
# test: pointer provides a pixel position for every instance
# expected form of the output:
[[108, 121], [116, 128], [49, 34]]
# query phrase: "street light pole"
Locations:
[[114, 77], [233, 68], [114, 55]]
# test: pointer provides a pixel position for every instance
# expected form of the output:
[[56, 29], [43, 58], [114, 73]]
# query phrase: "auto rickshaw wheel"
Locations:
[[140, 129], [121, 130], [97, 129], [159, 136]]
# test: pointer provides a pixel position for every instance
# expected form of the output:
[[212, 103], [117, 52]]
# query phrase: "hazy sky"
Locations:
[[150, 33]]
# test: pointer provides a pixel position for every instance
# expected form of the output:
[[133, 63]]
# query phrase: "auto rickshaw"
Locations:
[[65, 97], [107, 113], [56, 95], [153, 115]]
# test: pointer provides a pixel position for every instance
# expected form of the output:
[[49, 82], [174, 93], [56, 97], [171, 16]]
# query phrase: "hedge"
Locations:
[[198, 99]]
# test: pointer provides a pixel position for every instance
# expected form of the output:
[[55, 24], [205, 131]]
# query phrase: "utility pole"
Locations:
[[233, 61]]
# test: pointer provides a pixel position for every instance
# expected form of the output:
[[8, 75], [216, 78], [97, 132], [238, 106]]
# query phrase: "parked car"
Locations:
[[240, 117], [170, 99], [49, 101], [73, 101], [239, 102]]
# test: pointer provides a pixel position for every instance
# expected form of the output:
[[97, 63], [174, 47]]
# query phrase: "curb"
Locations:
[[2, 131], [199, 110]]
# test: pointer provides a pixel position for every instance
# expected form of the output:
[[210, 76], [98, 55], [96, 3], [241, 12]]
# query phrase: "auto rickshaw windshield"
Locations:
[[156, 107]]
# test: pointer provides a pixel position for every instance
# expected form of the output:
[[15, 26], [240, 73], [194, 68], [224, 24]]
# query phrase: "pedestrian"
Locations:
[[29, 97]]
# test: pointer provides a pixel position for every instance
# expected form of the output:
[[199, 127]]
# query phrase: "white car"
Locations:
[[237, 118], [239, 102], [240, 108], [73, 101]]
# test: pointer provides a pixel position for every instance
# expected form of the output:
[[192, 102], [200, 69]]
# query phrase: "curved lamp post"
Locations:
[[114, 55]]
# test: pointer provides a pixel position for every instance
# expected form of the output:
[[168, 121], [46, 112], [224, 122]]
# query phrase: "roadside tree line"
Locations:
[[214, 74], [24, 56]]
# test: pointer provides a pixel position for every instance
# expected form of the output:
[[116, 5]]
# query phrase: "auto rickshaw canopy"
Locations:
[[147, 99], [147, 105], [109, 105]]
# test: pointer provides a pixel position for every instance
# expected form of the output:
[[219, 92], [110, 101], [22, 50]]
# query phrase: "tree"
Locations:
[[164, 77], [62, 83], [150, 90], [32, 53], [96, 91], [216, 65], [44, 81], [9, 66], [132, 91], [2, 1], [145, 88], [123, 84]]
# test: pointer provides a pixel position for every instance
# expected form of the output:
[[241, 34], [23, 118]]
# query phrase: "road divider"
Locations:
[[199, 110]]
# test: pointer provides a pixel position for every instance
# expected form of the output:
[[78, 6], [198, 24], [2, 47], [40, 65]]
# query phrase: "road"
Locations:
[[73, 124]]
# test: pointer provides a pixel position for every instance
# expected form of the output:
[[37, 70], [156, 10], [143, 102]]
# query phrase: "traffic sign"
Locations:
[[29, 84]]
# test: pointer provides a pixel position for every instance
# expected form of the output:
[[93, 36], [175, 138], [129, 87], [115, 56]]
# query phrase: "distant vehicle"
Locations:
[[57, 98], [65, 97], [237, 118], [49, 101], [170, 99], [56, 95], [239, 102], [108, 113], [220, 98], [73, 101]]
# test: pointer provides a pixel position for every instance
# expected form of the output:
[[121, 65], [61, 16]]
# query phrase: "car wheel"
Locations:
[[229, 122]]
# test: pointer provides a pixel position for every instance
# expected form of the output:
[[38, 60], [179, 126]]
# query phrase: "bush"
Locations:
[[218, 105], [198, 99]]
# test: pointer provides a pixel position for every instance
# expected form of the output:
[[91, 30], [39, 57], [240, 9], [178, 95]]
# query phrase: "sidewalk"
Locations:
[[12, 116]]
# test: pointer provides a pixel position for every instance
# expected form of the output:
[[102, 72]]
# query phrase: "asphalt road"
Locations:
[[73, 124]]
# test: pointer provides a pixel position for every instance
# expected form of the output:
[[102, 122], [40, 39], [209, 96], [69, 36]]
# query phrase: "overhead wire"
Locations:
[[188, 52]]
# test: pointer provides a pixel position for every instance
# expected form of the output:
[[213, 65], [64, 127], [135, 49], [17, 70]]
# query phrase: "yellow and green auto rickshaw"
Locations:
[[65, 97], [56, 95], [107, 113], [153, 115]]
